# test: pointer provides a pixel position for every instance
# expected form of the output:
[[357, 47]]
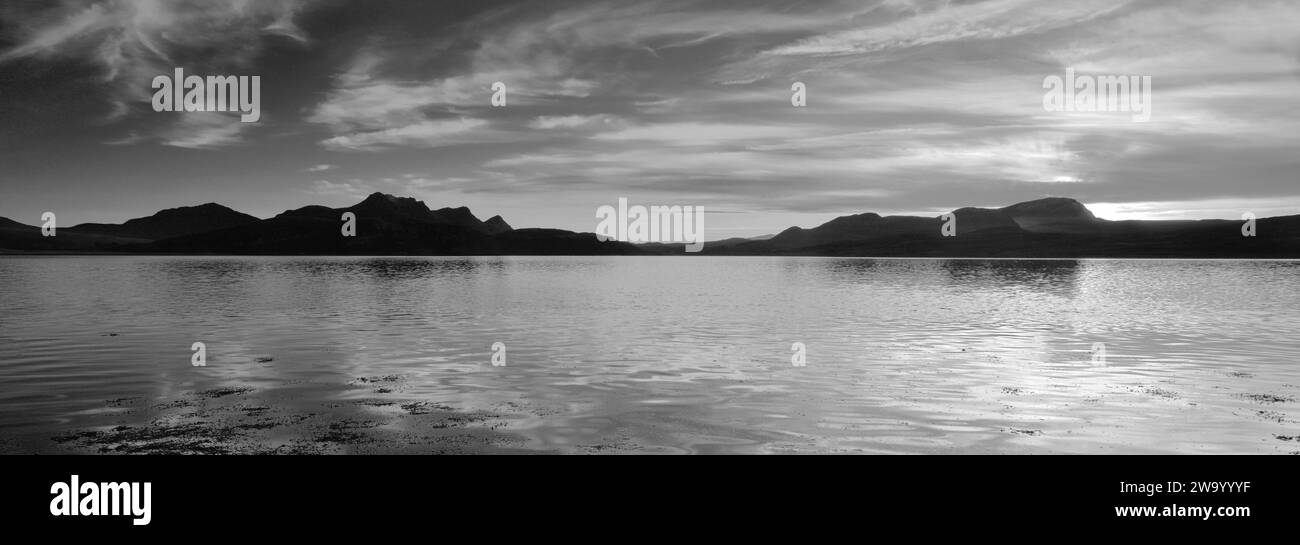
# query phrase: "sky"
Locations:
[[912, 107]]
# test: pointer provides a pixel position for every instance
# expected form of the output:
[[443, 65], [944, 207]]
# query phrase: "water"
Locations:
[[656, 354]]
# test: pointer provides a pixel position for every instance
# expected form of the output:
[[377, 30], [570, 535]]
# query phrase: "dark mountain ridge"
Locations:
[[387, 225], [391, 225], [1045, 228], [172, 222]]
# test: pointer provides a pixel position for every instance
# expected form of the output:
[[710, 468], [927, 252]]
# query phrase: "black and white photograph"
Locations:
[[595, 227]]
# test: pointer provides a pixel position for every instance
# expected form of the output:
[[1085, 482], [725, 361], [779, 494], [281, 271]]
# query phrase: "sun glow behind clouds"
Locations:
[[1229, 209]]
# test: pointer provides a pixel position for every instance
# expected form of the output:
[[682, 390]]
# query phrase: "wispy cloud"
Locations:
[[426, 133], [911, 104], [130, 42], [920, 23], [349, 192], [204, 130], [598, 122]]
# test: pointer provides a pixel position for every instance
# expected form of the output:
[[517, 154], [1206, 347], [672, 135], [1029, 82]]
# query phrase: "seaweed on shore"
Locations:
[[242, 420]]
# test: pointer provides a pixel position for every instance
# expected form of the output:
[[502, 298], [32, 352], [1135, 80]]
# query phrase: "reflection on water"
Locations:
[[682, 354]]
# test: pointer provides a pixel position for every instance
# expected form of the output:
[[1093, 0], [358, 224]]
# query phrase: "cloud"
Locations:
[[593, 122], [697, 134], [130, 42], [912, 104], [946, 22], [204, 130], [545, 58], [320, 168], [420, 134], [128, 140], [361, 104], [350, 191], [368, 110]]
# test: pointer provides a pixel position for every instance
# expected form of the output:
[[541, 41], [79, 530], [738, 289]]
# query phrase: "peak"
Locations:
[[202, 212], [205, 207], [977, 212], [390, 201], [1059, 207], [853, 219], [497, 224], [378, 196], [1053, 200], [1049, 201], [384, 197]]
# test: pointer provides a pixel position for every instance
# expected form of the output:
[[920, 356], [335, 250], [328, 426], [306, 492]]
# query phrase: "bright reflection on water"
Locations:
[[686, 354]]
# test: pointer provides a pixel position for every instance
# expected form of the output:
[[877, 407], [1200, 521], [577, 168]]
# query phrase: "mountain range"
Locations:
[[389, 225], [1052, 227]]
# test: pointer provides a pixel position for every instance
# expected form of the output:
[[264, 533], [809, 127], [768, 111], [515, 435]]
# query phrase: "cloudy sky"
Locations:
[[913, 106]]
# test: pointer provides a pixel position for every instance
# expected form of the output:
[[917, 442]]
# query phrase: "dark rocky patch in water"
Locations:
[[362, 381], [1162, 393], [242, 420], [223, 392], [1268, 398]]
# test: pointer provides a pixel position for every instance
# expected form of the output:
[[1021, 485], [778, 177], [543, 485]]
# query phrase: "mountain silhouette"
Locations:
[[386, 224], [173, 222], [497, 225], [101, 237], [6, 223], [390, 225], [1045, 228]]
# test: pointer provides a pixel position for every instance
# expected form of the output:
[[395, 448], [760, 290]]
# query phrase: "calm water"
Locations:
[[674, 354]]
